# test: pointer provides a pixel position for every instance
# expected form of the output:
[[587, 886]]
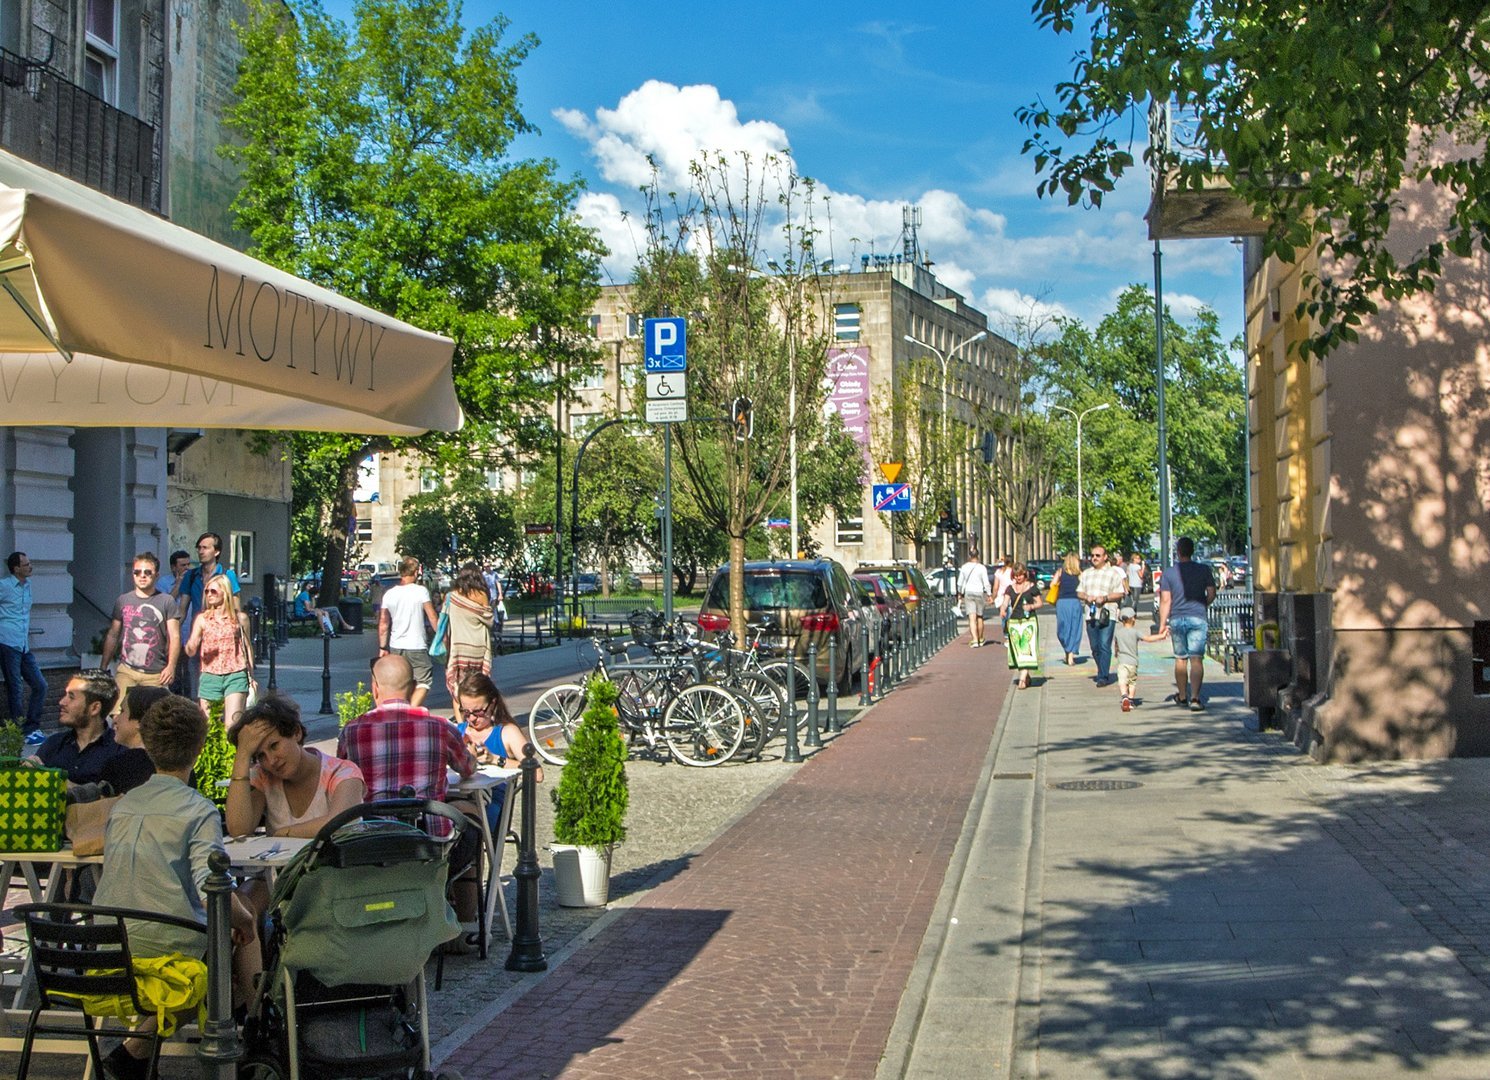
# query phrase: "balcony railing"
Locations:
[[46, 119]]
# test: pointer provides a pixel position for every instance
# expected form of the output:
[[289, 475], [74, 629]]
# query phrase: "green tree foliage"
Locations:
[[1205, 414], [482, 522], [1316, 112], [375, 162], [591, 797], [750, 334]]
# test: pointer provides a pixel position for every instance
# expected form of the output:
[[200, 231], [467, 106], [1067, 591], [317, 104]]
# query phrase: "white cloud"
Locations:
[[1072, 260], [1010, 310]]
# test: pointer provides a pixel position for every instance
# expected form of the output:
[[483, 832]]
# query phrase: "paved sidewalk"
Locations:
[[1163, 894], [781, 950]]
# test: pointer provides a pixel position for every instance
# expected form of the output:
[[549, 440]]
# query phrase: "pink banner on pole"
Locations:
[[847, 380]]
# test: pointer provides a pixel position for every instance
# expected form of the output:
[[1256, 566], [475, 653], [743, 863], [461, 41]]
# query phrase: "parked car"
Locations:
[[887, 602], [872, 622], [584, 584], [1241, 569], [799, 602], [943, 581], [906, 576], [1042, 572]]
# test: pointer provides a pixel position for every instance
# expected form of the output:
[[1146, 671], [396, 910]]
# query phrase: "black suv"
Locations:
[[800, 601]]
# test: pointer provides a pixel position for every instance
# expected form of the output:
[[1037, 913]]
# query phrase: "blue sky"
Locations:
[[882, 104]]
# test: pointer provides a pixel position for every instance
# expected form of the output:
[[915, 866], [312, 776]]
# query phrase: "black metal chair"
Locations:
[[77, 949]]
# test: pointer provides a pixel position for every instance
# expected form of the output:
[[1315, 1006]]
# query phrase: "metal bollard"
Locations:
[[814, 735], [793, 752], [220, 1048], [527, 942], [864, 698], [886, 678], [273, 648], [325, 672], [834, 726]]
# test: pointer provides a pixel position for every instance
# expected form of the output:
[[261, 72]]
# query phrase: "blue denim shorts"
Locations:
[[1188, 635]]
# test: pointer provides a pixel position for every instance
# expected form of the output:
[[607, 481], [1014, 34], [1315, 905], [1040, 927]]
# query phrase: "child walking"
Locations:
[[1125, 641]]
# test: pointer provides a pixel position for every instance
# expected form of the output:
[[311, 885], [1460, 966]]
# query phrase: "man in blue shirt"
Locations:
[[16, 658]]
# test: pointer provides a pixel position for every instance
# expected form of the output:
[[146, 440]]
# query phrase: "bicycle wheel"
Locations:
[[767, 704], [552, 720], [783, 673], [704, 725]]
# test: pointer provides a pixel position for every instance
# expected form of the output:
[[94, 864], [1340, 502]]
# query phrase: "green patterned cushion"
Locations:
[[32, 808]]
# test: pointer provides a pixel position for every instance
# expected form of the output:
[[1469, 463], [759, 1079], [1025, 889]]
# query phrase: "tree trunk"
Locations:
[[737, 612], [343, 514]]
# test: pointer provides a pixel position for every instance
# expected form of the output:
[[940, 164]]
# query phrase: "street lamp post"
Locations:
[[945, 358], [1080, 492]]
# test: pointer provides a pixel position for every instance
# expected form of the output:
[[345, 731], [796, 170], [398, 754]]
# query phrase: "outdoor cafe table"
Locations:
[[269, 852], [480, 788]]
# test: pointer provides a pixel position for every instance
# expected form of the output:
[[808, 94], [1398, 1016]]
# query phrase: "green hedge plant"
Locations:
[[215, 763], [351, 704], [591, 797]]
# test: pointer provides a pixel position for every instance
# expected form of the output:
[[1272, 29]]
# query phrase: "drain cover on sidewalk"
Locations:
[[1095, 785]]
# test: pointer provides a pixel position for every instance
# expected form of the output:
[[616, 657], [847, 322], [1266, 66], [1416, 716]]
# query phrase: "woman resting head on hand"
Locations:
[[291, 788]]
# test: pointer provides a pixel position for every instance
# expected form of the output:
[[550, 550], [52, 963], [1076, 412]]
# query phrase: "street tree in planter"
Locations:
[[590, 802]]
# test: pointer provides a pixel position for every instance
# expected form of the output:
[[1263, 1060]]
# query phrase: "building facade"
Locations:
[[127, 97], [1370, 494]]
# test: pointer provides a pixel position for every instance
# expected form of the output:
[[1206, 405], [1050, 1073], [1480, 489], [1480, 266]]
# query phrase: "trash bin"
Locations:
[[351, 613]]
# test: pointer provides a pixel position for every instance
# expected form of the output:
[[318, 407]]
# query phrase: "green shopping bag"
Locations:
[[33, 805]]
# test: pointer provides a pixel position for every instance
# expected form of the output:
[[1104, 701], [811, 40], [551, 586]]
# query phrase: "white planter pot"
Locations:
[[581, 875]]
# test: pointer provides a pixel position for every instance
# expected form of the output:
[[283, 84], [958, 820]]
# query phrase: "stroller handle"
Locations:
[[396, 808]]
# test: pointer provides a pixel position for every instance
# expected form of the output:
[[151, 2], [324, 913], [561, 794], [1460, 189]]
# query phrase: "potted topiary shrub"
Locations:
[[590, 802], [12, 742]]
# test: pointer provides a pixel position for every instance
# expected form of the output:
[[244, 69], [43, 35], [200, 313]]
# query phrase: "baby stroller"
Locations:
[[353, 920]]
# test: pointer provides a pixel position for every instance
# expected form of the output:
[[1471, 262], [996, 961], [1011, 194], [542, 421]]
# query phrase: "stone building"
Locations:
[[127, 97]]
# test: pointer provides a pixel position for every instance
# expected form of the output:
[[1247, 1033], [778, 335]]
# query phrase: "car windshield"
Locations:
[[802, 591]]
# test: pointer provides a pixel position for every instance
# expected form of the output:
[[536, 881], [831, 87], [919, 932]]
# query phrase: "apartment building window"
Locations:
[[429, 480], [101, 50], [848, 531], [581, 424], [364, 530], [633, 326], [846, 322], [493, 479], [631, 377], [594, 325], [591, 380]]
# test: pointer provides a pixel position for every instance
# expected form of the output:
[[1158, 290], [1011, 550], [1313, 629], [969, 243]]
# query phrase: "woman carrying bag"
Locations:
[[220, 637], [1022, 599], [1067, 606], [468, 614]]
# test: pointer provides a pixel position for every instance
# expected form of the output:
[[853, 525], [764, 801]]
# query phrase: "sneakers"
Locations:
[[36, 738], [1127, 704], [1196, 706]]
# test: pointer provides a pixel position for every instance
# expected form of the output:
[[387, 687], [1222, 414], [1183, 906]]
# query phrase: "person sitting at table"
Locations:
[[291, 788], [86, 742], [491, 734], [398, 745], [132, 766], [155, 853]]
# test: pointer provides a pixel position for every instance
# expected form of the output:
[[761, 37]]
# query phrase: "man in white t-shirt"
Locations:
[[404, 622], [973, 592]]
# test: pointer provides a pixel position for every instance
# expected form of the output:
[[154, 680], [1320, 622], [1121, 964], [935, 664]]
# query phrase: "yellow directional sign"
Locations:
[[890, 470]]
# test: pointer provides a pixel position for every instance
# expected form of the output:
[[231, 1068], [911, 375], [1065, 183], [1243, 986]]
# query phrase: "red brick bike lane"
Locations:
[[783, 949]]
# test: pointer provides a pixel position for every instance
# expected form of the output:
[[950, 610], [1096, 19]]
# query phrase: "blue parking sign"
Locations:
[[665, 344]]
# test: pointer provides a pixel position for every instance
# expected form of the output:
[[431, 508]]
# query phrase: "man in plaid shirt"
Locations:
[[398, 744], [1102, 587]]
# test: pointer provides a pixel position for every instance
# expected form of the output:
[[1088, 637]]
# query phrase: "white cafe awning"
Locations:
[[166, 328]]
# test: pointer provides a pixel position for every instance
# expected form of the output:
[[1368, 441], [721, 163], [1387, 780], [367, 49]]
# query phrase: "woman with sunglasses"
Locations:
[[491, 732], [220, 639]]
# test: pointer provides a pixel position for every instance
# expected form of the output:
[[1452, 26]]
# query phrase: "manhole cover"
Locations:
[[1096, 785], [1013, 776]]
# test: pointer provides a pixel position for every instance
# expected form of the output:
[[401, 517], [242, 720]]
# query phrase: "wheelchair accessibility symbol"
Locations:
[[666, 385]]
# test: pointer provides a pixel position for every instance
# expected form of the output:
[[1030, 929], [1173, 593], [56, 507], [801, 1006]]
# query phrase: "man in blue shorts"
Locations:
[[1186, 589]]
